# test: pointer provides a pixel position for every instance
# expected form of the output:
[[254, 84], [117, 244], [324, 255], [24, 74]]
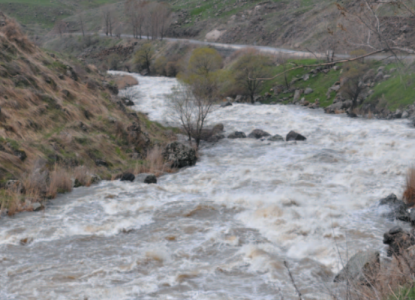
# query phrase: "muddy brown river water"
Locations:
[[221, 229]]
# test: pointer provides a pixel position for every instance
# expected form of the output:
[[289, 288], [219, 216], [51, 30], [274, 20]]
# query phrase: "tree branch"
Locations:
[[324, 64]]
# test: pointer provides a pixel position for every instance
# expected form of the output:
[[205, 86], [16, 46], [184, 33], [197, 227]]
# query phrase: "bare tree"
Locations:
[[108, 17], [353, 86], [81, 23], [362, 27], [191, 110], [158, 19], [60, 27], [136, 12], [162, 17]]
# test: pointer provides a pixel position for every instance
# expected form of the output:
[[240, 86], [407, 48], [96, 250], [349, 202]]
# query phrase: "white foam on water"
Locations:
[[221, 229]]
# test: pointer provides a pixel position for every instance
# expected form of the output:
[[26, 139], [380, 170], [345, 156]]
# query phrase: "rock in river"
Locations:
[[258, 134], [150, 179], [276, 138], [237, 135], [294, 136], [180, 155], [127, 177]]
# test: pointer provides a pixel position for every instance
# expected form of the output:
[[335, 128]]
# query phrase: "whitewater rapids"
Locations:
[[221, 229]]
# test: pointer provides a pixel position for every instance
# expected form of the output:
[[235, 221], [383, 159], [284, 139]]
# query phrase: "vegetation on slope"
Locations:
[[60, 117]]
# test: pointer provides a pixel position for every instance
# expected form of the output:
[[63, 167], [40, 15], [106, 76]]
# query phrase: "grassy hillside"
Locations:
[[44, 13], [61, 119]]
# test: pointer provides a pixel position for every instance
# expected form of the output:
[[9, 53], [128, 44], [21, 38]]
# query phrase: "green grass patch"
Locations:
[[395, 92]]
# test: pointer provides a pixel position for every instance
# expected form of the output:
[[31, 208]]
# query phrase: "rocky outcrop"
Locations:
[[258, 134], [237, 135], [294, 136], [398, 240], [362, 267], [308, 91], [398, 209], [297, 95], [179, 155]]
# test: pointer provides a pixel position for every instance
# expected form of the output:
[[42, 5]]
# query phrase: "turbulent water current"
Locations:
[[221, 229]]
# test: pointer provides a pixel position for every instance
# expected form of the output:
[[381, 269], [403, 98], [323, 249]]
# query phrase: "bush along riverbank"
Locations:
[[63, 125], [368, 88]]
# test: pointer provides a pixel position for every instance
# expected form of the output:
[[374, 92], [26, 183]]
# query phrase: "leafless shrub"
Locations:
[[60, 182], [82, 176], [191, 109], [409, 194]]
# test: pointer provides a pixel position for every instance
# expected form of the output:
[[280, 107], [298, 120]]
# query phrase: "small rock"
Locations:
[[294, 136], [351, 114], [218, 128], [215, 138], [77, 183], [308, 91], [276, 138], [150, 179], [127, 102], [306, 77], [258, 134], [297, 95], [379, 76], [127, 177], [225, 104], [95, 179], [100, 162], [20, 154], [405, 115], [37, 206], [237, 135]]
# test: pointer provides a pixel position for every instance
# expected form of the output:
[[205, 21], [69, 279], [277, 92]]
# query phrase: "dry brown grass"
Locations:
[[409, 193], [82, 175], [60, 182], [125, 81], [50, 114], [154, 163], [370, 115]]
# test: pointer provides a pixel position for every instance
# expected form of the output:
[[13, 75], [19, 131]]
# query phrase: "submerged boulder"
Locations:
[[276, 138], [237, 135], [294, 136], [258, 134], [360, 268], [180, 155], [225, 104]]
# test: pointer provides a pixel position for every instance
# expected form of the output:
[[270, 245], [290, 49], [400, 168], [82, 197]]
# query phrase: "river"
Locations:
[[221, 229]]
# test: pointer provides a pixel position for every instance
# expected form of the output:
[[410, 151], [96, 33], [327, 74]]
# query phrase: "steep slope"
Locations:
[[58, 114]]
